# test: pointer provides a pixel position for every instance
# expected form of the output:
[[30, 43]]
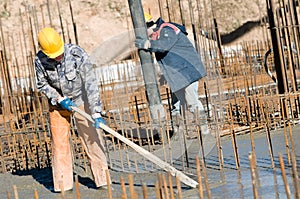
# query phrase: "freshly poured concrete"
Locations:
[[232, 183], [227, 182]]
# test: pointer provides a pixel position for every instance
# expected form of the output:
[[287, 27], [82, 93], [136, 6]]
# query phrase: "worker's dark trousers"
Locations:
[[62, 160]]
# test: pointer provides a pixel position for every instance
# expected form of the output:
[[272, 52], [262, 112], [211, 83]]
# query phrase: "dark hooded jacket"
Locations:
[[176, 56]]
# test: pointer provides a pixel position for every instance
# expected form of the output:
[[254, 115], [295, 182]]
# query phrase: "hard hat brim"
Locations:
[[57, 53]]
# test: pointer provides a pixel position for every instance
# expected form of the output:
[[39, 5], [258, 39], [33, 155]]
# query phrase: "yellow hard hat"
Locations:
[[148, 17], [51, 43]]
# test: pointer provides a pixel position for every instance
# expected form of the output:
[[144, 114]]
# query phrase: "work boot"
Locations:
[[177, 126], [175, 112], [202, 120], [192, 134], [104, 187], [64, 191], [204, 129]]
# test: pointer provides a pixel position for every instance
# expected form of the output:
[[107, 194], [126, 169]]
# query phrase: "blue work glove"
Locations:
[[66, 103], [98, 119], [142, 43]]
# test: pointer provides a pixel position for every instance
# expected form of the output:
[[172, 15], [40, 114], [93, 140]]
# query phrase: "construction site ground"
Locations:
[[225, 182]]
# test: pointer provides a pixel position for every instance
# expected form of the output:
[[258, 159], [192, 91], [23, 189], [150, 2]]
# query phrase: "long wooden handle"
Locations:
[[163, 165]]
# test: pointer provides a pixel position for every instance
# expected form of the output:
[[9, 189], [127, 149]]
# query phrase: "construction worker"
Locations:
[[65, 75], [179, 61]]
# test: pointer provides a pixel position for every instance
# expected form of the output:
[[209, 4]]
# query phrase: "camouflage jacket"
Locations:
[[73, 77]]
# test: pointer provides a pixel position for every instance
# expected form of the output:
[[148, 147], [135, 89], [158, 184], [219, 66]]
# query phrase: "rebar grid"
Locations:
[[240, 96]]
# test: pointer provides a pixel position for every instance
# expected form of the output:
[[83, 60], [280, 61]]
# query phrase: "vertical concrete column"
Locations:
[[147, 64]]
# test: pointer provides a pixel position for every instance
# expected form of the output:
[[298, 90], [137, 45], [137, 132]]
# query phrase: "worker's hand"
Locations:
[[66, 103], [98, 119], [142, 43]]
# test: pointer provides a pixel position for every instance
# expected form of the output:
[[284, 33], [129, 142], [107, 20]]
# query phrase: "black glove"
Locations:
[[142, 43]]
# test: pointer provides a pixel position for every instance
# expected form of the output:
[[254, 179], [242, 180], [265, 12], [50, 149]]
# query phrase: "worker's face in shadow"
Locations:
[[59, 58]]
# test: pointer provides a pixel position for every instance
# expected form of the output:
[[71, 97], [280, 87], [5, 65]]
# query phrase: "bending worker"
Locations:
[[65, 75], [179, 62]]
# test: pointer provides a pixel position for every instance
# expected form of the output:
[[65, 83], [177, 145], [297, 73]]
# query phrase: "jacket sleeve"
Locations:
[[43, 85], [90, 83], [165, 42]]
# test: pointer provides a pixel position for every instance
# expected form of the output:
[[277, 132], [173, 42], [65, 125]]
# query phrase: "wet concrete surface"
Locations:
[[232, 183], [225, 182]]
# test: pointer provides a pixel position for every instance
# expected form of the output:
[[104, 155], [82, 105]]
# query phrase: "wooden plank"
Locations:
[[164, 165]]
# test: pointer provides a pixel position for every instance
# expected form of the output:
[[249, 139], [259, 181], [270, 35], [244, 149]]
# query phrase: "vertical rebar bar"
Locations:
[[283, 173]]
